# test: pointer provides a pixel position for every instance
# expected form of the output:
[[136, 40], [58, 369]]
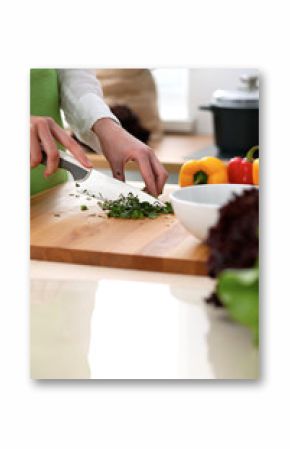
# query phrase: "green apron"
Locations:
[[44, 101]]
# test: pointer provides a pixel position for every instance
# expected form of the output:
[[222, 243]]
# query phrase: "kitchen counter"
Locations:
[[172, 151], [103, 323]]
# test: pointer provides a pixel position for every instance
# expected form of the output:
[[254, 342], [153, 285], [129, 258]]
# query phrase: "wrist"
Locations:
[[104, 127]]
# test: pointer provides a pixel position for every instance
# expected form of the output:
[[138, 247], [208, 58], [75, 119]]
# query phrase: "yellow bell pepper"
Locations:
[[208, 170], [256, 172]]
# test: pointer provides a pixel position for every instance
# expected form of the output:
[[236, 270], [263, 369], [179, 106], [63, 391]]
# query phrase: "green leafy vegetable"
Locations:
[[239, 292], [84, 207], [131, 207]]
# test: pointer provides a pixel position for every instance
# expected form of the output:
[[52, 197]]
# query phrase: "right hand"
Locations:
[[43, 132]]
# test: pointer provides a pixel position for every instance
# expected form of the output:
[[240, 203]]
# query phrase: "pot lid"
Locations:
[[244, 97]]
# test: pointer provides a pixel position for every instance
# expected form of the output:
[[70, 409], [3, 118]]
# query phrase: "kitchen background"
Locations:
[[167, 104], [182, 91]]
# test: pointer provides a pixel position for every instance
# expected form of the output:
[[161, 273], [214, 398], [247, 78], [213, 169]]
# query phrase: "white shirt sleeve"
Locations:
[[83, 104]]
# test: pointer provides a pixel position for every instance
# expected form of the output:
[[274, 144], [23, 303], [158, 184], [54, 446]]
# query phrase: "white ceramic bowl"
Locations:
[[196, 207]]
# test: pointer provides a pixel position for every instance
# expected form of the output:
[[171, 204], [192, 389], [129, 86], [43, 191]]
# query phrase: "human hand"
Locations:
[[43, 132], [119, 147]]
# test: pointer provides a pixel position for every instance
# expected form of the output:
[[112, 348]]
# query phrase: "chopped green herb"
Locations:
[[84, 207], [76, 184], [131, 207]]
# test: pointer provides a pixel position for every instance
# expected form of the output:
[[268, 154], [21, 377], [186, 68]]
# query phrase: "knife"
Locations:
[[99, 183]]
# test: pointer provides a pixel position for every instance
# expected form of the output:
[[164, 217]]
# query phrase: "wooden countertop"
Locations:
[[172, 151]]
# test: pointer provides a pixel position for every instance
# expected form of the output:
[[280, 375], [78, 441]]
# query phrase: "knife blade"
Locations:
[[95, 182]]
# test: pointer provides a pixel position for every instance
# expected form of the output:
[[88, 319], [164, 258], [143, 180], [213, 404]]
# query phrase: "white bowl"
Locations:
[[196, 207]]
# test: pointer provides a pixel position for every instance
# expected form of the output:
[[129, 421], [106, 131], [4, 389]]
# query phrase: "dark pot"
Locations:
[[236, 118]]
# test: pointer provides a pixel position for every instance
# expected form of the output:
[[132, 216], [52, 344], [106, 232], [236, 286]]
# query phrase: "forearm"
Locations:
[[83, 104], [106, 130]]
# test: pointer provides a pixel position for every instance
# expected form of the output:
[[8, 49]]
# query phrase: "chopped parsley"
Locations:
[[131, 207]]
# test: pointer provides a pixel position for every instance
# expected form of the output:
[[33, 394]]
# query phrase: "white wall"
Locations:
[[203, 82]]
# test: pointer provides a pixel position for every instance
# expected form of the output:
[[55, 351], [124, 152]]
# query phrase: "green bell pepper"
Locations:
[[239, 292]]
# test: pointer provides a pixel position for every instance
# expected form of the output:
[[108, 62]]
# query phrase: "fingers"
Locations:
[[152, 171], [49, 146], [35, 149], [161, 174], [69, 143], [43, 132], [146, 169], [118, 170]]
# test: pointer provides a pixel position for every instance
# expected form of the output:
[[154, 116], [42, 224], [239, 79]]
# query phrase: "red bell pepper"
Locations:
[[240, 171]]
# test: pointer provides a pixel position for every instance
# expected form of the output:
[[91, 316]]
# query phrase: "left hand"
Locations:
[[119, 147]]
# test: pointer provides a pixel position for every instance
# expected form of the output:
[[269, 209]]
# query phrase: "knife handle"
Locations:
[[68, 163]]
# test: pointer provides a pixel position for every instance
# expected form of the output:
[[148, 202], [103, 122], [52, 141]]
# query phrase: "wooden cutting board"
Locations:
[[61, 232]]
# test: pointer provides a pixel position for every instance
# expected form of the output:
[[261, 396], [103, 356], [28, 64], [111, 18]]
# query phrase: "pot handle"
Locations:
[[206, 107]]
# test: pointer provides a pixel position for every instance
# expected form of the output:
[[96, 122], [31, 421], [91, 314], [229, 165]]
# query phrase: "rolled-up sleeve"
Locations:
[[83, 104]]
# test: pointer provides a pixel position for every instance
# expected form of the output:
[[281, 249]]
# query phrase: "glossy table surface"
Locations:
[[102, 323]]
